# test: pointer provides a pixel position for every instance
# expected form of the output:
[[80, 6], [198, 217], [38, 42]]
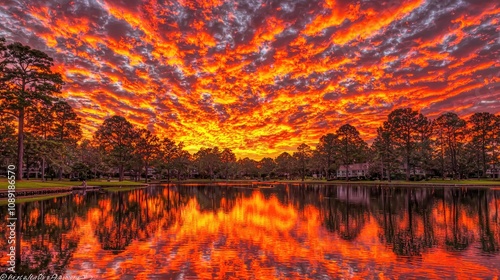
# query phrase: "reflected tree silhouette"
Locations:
[[409, 221], [488, 238]]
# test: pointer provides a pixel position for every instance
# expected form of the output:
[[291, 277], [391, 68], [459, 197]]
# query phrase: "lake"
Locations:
[[275, 231]]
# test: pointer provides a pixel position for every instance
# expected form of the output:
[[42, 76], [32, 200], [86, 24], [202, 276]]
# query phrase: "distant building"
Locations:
[[361, 171], [357, 170], [493, 171]]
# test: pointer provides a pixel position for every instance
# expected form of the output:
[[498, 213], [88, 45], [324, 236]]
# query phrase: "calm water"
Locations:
[[287, 231]]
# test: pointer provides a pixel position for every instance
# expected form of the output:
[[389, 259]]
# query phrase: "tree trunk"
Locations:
[[408, 168], [120, 170], [147, 168], [43, 169], [347, 172], [389, 172], [20, 145]]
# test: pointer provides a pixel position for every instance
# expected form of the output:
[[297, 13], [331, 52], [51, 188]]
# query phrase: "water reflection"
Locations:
[[281, 232]]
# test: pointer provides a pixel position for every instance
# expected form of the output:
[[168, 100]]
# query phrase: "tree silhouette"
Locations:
[[116, 136], [27, 80], [351, 148]]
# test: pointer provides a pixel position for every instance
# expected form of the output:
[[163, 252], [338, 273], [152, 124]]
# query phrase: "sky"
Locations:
[[263, 76]]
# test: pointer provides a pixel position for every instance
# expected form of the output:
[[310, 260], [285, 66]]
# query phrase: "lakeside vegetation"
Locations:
[[43, 133]]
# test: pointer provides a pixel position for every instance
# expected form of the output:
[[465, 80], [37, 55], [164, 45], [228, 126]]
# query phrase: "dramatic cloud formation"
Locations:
[[263, 76]]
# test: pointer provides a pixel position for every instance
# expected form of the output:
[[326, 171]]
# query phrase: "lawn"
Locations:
[[37, 184]]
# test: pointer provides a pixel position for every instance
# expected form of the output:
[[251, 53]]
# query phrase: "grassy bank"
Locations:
[[38, 184]]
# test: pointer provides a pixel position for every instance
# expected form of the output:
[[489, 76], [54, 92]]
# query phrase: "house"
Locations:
[[493, 171], [361, 171], [357, 170]]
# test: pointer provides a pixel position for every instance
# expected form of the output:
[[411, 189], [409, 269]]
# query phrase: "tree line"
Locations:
[[40, 131]]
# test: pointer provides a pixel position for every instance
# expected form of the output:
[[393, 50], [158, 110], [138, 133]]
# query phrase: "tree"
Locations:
[[7, 142], [182, 160], [482, 134], [146, 148], [405, 125], [167, 154], [266, 167], [92, 156], [28, 80], [228, 161], [495, 154], [66, 128], [423, 153], [450, 131], [208, 161], [116, 136], [351, 148], [385, 152], [284, 162], [327, 150], [39, 123], [303, 155], [248, 167]]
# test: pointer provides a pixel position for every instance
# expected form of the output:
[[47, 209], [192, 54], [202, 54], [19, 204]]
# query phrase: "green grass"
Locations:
[[4, 201], [38, 184]]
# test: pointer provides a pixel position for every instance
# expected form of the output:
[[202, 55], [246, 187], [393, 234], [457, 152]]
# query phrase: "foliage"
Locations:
[[27, 80]]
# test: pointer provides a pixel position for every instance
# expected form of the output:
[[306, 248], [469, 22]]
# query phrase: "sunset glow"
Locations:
[[261, 77]]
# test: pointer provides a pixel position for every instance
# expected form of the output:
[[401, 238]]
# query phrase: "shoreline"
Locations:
[[493, 184], [30, 192]]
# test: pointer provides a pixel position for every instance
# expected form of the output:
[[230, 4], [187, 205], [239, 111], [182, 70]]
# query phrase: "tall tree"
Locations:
[[28, 80], [423, 155], [116, 136], [405, 125], [182, 161], [450, 132], [385, 152], [482, 134], [495, 155], [40, 123], [303, 155], [147, 147], [284, 162], [7, 139], [351, 148], [92, 156], [327, 150], [66, 129], [266, 167], [248, 167], [168, 152], [209, 161], [228, 161]]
